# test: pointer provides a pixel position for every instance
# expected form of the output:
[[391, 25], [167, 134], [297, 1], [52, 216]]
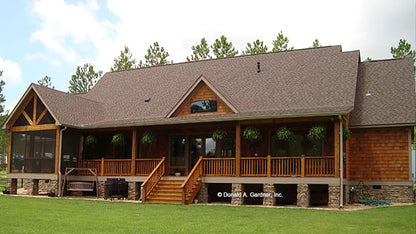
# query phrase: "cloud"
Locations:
[[69, 31], [12, 74]]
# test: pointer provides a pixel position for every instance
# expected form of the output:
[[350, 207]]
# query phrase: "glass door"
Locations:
[[201, 146]]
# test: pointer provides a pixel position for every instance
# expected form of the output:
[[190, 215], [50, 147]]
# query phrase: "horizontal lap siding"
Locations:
[[203, 92], [379, 155]]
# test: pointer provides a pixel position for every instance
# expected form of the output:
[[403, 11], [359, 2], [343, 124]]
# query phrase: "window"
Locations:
[[33, 152], [204, 106]]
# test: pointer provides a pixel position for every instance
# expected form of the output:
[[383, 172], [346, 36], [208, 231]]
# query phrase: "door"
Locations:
[[200, 146]]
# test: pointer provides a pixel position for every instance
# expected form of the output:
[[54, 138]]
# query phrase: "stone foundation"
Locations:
[[237, 189], [389, 193], [134, 191], [268, 189], [303, 195], [100, 189], [333, 196], [43, 186], [203, 194], [12, 185]]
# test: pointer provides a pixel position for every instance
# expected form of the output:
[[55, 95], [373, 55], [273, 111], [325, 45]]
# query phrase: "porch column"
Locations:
[[133, 152], [81, 138], [237, 148], [303, 195], [12, 184], [9, 153], [57, 150], [336, 146]]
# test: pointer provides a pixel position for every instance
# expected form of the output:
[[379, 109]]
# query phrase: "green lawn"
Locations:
[[53, 215]]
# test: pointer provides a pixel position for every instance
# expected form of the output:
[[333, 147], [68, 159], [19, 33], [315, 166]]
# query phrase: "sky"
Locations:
[[53, 37]]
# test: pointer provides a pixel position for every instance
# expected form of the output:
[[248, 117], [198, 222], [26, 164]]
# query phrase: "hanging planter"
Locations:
[[252, 134], [91, 140], [284, 134], [346, 134], [119, 139], [148, 138], [317, 133], [219, 135]]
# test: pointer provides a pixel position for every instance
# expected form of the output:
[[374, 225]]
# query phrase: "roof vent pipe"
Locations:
[[258, 67]]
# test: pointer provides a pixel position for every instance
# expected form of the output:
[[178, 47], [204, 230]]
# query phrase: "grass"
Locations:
[[2, 180], [43, 215]]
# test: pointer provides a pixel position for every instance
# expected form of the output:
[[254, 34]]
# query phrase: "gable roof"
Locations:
[[199, 81], [385, 94], [306, 82]]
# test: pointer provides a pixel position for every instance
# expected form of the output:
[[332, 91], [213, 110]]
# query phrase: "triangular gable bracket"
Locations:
[[39, 113], [201, 82]]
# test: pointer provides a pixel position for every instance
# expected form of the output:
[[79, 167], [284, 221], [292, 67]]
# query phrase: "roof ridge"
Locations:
[[384, 60], [231, 57]]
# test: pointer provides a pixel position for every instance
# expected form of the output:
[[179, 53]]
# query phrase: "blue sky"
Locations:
[[53, 37]]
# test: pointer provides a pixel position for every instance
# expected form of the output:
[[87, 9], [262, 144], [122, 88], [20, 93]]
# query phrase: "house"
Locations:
[[307, 127]]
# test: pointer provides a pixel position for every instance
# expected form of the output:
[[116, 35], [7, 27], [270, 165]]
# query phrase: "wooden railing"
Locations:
[[286, 166], [319, 166], [271, 166], [219, 166], [153, 179], [191, 185], [145, 166], [116, 167], [120, 167], [253, 166]]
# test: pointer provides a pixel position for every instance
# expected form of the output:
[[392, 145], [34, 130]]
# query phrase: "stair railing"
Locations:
[[191, 181], [152, 180]]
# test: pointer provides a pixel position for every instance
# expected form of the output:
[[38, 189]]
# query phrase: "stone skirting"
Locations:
[[134, 191], [389, 193], [333, 196], [237, 189], [269, 190], [202, 195], [303, 195]]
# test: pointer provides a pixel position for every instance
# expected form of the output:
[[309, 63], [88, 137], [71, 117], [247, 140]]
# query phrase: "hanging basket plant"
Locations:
[[119, 139], [252, 134], [317, 133], [346, 134], [285, 134], [91, 140], [148, 138], [219, 135]]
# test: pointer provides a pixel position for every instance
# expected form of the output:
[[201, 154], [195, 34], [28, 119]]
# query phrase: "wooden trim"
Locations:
[[34, 128], [237, 148], [9, 154], [35, 102], [41, 116], [336, 147], [27, 118], [23, 108], [269, 166], [288, 120], [58, 135], [133, 152]]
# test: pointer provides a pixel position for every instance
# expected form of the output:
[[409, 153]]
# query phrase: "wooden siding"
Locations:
[[203, 92], [379, 155]]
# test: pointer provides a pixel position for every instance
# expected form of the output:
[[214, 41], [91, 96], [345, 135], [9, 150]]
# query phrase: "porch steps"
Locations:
[[167, 191]]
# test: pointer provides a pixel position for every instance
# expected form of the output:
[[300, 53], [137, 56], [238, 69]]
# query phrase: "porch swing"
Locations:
[[80, 186]]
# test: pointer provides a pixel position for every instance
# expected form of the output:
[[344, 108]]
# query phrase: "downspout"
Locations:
[[341, 163], [60, 162]]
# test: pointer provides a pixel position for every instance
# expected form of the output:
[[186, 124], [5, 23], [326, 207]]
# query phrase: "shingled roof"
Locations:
[[307, 82], [385, 94]]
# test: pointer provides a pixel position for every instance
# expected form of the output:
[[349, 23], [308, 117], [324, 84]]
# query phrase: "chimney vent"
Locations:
[[258, 67]]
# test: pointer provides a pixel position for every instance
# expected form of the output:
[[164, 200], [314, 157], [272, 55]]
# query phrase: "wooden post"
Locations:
[[269, 166], [102, 166], [80, 152], [336, 146], [237, 148], [9, 153], [133, 152], [57, 150], [35, 101], [302, 166]]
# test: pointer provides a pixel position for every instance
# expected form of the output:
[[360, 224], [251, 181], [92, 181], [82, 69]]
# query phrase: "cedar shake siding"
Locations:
[[203, 92], [381, 154]]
